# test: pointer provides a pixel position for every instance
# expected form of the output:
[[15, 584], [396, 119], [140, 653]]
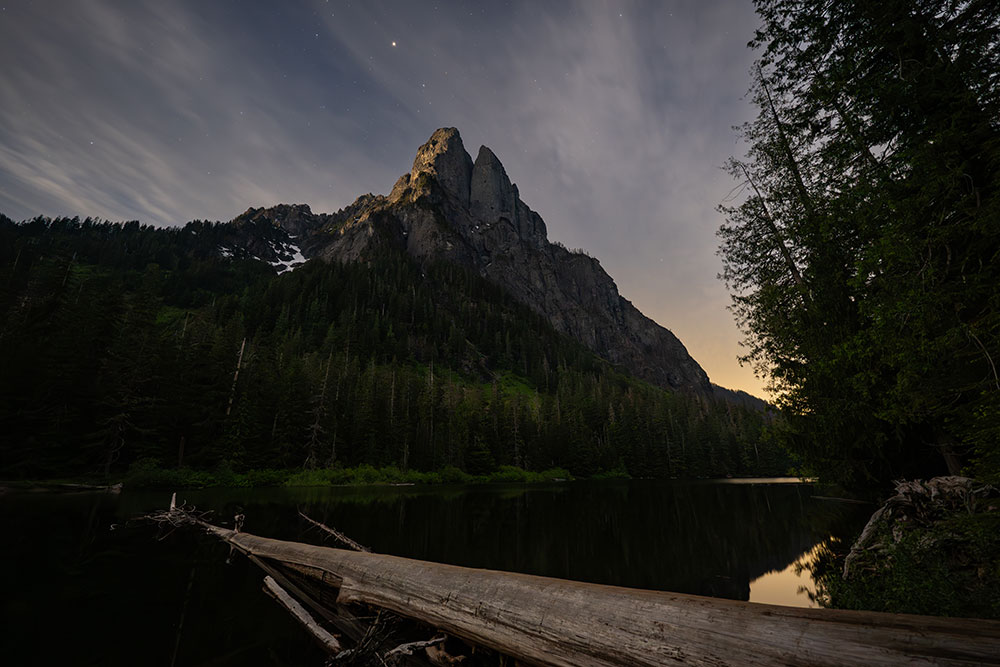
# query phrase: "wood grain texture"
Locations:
[[546, 621]]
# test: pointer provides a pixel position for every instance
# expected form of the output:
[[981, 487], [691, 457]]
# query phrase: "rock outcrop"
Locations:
[[451, 208]]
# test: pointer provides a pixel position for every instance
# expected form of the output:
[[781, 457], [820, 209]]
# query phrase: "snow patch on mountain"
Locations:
[[289, 255]]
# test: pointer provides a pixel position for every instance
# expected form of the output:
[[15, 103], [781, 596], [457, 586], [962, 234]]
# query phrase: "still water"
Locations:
[[86, 584]]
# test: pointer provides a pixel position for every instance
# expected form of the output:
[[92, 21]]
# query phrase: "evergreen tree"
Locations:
[[124, 342], [863, 261]]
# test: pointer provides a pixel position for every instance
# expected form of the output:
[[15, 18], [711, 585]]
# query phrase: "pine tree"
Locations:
[[863, 258]]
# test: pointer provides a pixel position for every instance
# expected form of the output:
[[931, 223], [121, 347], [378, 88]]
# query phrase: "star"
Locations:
[[394, 43]]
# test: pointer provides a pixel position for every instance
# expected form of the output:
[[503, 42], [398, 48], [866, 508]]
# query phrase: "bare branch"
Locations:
[[292, 606], [336, 534], [409, 648]]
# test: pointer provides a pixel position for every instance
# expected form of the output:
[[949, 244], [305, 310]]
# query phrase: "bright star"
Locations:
[[394, 43]]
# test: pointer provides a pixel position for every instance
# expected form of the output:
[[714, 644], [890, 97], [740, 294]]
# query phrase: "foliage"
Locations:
[[863, 261], [617, 473], [513, 474], [949, 568], [148, 473]]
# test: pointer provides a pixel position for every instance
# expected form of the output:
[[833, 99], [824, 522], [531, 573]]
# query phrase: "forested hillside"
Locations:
[[127, 342]]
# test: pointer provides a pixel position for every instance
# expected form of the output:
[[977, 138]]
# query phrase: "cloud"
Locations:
[[152, 111], [612, 118]]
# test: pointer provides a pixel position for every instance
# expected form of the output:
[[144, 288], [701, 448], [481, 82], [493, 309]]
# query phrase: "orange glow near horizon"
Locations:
[[790, 587]]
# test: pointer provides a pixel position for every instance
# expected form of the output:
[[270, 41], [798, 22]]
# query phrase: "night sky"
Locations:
[[613, 118]]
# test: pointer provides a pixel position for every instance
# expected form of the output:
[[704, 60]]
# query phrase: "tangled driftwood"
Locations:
[[373, 638], [923, 502]]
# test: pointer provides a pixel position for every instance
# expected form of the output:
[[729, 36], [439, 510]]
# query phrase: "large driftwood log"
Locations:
[[546, 621]]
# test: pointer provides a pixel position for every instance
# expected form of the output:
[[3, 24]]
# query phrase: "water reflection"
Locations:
[[118, 596], [701, 538], [792, 586]]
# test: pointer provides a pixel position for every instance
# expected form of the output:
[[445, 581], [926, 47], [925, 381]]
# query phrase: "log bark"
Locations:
[[545, 621]]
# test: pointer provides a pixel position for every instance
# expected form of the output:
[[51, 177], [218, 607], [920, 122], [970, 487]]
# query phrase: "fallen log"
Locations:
[[325, 639], [544, 621]]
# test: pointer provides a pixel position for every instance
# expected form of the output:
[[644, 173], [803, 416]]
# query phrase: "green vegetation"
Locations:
[[949, 568], [147, 473], [865, 259], [864, 263], [125, 343]]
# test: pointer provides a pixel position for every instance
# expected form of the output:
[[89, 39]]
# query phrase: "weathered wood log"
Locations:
[[344, 622], [546, 621], [339, 617], [322, 636], [409, 647]]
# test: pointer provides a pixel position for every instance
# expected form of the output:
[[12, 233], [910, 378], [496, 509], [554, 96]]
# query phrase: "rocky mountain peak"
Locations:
[[470, 214], [444, 158], [296, 219], [491, 194]]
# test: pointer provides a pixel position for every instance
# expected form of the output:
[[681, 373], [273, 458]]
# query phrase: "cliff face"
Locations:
[[451, 208]]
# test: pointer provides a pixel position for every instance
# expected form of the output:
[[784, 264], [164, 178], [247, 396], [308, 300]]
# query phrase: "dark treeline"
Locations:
[[864, 259], [127, 342]]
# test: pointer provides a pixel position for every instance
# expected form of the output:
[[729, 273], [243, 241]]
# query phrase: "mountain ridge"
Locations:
[[453, 208]]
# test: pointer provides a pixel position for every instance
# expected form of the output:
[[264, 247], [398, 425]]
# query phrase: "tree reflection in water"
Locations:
[[120, 593]]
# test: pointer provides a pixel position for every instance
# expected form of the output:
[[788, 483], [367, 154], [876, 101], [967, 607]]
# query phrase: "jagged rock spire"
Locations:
[[491, 194], [444, 157]]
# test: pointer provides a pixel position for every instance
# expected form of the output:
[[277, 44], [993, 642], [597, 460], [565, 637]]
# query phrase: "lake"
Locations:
[[86, 584]]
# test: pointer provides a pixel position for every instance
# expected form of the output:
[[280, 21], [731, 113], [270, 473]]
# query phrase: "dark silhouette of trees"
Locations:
[[124, 342], [863, 260]]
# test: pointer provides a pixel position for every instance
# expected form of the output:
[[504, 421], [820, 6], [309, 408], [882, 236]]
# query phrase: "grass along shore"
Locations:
[[148, 474]]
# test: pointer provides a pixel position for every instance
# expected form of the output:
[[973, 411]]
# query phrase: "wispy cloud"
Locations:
[[612, 117], [152, 111]]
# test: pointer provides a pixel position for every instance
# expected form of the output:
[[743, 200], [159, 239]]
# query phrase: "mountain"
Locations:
[[435, 327], [451, 208]]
